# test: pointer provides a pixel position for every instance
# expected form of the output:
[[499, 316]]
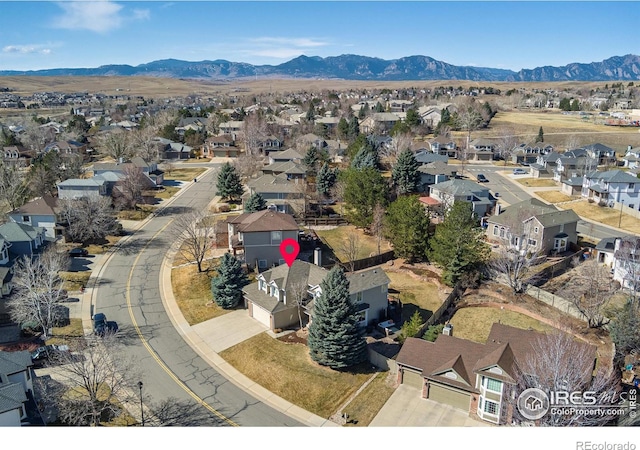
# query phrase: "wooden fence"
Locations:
[[438, 314]]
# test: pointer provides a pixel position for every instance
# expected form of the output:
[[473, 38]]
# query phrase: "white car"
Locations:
[[519, 171]]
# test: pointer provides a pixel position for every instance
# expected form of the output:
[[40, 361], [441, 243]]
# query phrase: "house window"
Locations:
[[495, 230], [493, 385], [262, 263], [276, 237], [631, 185], [535, 230], [359, 297], [501, 232], [26, 219], [533, 242], [490, 407]]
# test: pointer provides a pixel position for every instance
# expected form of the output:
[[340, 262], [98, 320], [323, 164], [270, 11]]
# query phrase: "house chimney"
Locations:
[[317, 256], [498, 209], [629, 148]]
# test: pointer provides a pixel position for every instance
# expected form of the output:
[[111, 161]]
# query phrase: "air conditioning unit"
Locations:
[[448, 329]]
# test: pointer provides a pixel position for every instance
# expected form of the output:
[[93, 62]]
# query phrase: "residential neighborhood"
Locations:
[[432, 256]]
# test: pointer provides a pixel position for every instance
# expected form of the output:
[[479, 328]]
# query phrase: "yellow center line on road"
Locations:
[[152, 352]]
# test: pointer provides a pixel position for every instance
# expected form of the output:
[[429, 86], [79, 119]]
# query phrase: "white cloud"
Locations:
[[26, 49], [282, 48], [99, 16]]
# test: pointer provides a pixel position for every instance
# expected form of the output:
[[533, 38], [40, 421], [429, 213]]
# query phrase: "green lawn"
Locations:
[[288, 371]]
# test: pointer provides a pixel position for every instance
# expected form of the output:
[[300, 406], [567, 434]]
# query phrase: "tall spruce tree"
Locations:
[[457, 245], [407, 227], [325, 180], [335, 339], [540, 137], [405, 174], [364, 189], [227, 286], [228, 183], [255, 203]]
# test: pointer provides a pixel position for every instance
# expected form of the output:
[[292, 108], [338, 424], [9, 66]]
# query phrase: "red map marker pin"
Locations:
[[289, 249]]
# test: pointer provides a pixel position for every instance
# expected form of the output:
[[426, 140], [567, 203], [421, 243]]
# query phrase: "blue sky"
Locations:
[[501, 34]]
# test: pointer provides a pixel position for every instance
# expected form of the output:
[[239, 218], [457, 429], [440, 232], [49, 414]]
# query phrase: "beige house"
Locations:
[[473, 377], [378, 123]]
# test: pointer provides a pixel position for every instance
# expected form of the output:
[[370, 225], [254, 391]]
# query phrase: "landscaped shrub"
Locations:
[[432, 332]]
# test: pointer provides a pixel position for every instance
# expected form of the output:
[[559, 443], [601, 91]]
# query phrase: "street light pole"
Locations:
[[141, 407], [620, 218]]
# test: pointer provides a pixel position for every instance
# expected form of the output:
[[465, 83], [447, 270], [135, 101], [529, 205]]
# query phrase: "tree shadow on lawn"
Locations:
[[408, 309]]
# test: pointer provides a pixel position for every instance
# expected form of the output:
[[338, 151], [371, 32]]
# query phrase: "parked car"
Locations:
[[102, 326], [519, 171], [47, 353], [78, 252], [481, 178]]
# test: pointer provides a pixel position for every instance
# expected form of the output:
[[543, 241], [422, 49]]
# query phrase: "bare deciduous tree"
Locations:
[[127, 192], [399, 143], [518, 255], [627, 264], [13, 190], [254, 131], [248, 166], [97, 378], [558, 362], [89, 218], [377, 224], [589, 289], [198, 233], [117, 144], [349, 247], [38, 290], [298, 293], [144, 145], [506, 144]]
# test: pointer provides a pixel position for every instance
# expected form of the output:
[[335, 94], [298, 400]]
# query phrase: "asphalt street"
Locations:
[[128, 292]]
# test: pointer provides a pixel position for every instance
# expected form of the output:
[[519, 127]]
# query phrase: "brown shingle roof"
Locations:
[[264, 221], [44, 205]]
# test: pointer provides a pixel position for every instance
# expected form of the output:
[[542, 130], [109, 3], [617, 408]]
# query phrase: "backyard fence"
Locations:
[[449, 302]]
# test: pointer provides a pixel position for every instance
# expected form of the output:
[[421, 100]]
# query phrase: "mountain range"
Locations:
[[355, 67]]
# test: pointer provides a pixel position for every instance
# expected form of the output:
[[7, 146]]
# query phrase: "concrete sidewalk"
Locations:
[[207, 338]]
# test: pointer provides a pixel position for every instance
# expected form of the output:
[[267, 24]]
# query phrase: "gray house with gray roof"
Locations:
[[611, 187], [24, 240], [448, 192], [16, 381], [535, 226], [275, 297], [285, 194]]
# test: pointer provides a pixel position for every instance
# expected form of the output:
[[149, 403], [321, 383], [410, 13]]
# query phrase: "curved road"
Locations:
[[128, 291]]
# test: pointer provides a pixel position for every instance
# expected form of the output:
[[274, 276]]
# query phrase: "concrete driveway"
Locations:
[[405, 408], [228, 330]]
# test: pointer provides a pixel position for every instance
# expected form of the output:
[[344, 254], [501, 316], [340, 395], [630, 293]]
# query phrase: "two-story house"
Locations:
[[256, 237], [285, 156], [476, 378], [528, 154], [631, 158], [534, 226], [275, 297], [221, 146], [16, 387], [232, 128], [625, 262], [481, 150], [40, 212], [378, 123], [430, 115], [73, 188], [573, 163], [603, 155], [270, 144], [432, 173], [612, 187], [291, 169], [448, 192], [149, 169], [443, 146], [283, 193]]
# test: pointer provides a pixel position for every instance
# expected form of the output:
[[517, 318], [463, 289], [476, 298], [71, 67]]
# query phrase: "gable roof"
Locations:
[[532, 207], [12, 396], [457, 187], [14, 362], [286, 167], [290, 154], [19, 232], [612, 176], [274, 183], [43, 206], [265, 220]]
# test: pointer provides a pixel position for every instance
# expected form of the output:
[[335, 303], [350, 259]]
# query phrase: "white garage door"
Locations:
[[261, 315]]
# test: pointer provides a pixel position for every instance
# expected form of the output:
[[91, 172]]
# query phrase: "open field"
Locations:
[[553, 196], [475, 324], [288, 371]]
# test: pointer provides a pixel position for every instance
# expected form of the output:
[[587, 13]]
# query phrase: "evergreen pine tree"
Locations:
[[227, 286], [325, 180], [407, 227], [228, 183], [311, 159], [540, 137], [405, 173], [354, 128], [458, 246], [255, 203], [379, 107], [343, 128], [335, 339]]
